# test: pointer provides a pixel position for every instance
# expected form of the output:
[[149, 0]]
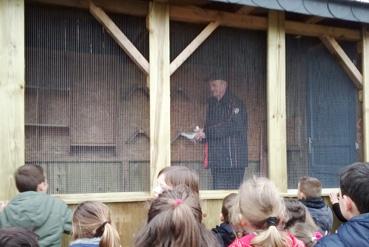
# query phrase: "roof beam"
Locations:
[[350, 68], [121, 39], [314, 19], [194, 14], [245, 10]]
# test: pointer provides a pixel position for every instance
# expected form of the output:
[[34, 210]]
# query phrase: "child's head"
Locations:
[[16, 237], [309, 187], [354, 185], [171, 176], [306, 233], [228, 203], [174, 219], [92, 219], [30, 178], [295, 212], [262, 209]]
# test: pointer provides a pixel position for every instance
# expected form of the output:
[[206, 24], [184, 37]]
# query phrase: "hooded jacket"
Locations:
[[353, 233], [47, 216], [320, 212], [224, 233]]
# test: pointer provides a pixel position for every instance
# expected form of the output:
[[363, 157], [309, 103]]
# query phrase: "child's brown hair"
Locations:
[[28, 177], [176, 175], [228, 203], [310, 187]]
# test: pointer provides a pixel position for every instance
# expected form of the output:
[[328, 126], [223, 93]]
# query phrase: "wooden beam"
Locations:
[[130, 7], [276, 100], [119, 37], [187, 52], [159, 82], [315, 30], [344, 60], [194, 14], [314, 19], [365, 67], [12, 85], [245, 10]]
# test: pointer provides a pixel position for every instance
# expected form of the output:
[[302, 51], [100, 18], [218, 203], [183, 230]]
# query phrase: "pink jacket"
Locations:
[[246, 241]]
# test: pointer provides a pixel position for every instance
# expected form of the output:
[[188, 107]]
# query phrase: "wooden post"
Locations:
[[365, 68], [11, 93], [159, 84], [276, 100]]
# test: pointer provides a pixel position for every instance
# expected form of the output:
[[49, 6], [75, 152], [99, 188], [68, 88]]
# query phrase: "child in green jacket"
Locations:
[[35, 210]]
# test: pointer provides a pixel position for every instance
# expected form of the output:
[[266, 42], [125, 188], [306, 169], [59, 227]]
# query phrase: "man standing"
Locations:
[[226, 134]]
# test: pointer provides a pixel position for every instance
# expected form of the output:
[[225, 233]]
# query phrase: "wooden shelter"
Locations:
[[98, 91]]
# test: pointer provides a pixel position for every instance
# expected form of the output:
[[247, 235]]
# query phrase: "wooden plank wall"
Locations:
[[11, 93]]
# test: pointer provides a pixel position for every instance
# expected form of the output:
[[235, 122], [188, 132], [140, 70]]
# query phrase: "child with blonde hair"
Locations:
[[92, 226], [262, 210]]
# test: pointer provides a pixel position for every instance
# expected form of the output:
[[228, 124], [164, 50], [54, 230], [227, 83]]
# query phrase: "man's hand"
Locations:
[[199, 134]]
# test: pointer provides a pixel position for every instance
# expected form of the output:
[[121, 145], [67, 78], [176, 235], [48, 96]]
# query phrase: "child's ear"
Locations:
[[348, 207], [42, 187], [221, 217]]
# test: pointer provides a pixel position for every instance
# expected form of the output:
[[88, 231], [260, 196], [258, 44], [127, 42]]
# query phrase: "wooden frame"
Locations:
[[159, 83], [158, 19], [365, 68], [12, 85], [276, 101]]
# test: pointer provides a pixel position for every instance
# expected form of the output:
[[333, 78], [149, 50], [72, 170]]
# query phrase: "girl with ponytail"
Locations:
[[92, 226], [262, 210], [174, 220]]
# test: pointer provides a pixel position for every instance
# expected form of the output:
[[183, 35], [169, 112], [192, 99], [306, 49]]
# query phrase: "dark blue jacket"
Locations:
[[353, 233], [225, 234], [226, 132], [321, 213]]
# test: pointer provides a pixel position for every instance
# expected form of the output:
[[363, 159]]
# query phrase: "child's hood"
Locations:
[[29, 209]]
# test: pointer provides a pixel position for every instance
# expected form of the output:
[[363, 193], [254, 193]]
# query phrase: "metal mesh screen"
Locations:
[[87, 104], [239, 57], [322, 112]]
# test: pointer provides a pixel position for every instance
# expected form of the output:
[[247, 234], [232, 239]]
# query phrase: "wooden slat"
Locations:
[[187, 52], [343, 60], [159, 83], [119, 37], [11, 93], [365, 68], [276, 101]]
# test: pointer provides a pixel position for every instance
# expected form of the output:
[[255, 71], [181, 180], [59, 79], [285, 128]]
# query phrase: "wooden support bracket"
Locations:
[[120, 38], [191, 48], [350, 68]]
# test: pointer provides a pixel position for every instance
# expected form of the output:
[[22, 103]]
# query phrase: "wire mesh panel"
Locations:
[[321, 112], [87, 103], [239, 58]]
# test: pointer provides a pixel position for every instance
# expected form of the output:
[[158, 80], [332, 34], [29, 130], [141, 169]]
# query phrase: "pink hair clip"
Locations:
[[178, 202]]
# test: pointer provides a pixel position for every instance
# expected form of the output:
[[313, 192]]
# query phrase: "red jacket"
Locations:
[[246, 241]]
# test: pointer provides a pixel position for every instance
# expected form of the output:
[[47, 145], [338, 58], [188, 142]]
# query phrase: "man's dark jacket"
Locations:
[[320, 212], [225, 130], [353, 233]]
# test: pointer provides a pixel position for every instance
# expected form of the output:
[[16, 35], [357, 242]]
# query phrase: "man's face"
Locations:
[[218, 88]]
